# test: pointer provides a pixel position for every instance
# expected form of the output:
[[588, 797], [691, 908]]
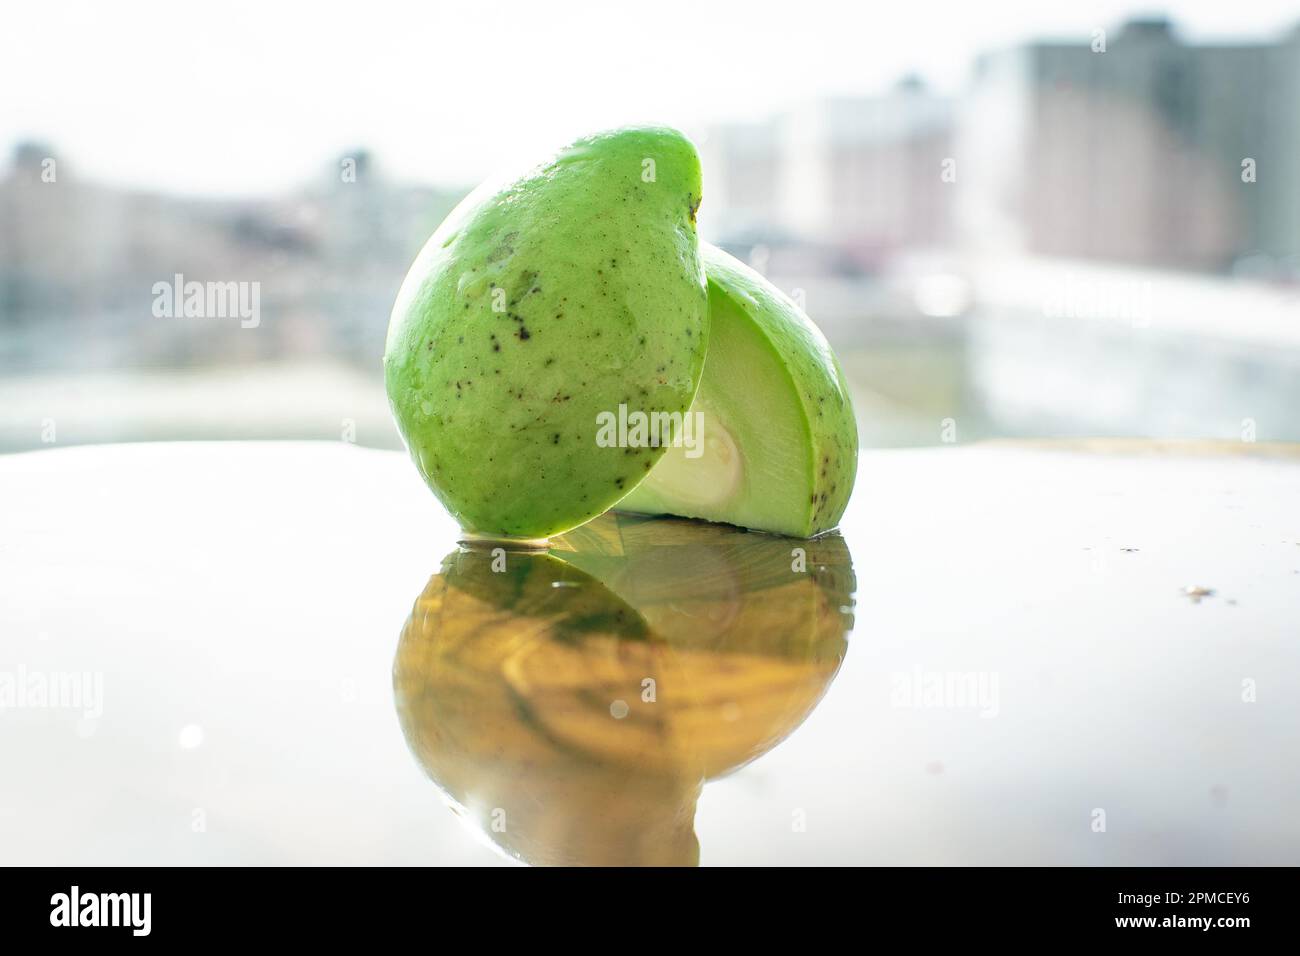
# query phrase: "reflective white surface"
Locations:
[[241, 605]]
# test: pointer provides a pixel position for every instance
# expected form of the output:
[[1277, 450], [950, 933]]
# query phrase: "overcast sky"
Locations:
[[253, 97]]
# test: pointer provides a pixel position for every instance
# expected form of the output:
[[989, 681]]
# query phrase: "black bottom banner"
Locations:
[[1169, 906]]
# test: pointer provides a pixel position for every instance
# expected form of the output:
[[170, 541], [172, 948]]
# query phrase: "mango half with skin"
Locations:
[[777, 441], [538, 306]]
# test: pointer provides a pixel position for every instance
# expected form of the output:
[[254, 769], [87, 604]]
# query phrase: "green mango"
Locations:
[[536, 307]]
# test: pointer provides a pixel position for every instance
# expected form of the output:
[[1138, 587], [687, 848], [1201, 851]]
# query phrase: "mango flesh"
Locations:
[[538, 306], [780, 441]]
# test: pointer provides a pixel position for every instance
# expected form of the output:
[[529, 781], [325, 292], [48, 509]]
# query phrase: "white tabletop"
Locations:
[[1022, 674]]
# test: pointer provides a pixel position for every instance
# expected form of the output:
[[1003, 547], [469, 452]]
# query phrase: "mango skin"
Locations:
[[538, 306]]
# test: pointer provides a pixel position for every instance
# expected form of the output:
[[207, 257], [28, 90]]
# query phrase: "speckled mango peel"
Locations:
[[538, 306]]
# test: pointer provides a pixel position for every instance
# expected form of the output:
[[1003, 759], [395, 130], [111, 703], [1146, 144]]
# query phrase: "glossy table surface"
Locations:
[[277, 653]]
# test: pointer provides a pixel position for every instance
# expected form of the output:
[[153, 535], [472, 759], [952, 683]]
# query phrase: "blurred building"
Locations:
[[862, 177], [868, 174], [742, 162], [1134, 147], [78, 262]]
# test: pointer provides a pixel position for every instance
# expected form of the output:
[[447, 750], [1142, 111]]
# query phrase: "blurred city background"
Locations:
[[1088, 230]]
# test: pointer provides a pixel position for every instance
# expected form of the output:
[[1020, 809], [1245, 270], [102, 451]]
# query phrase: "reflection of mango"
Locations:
[[757, 640], [504, 684], [573, 708]]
